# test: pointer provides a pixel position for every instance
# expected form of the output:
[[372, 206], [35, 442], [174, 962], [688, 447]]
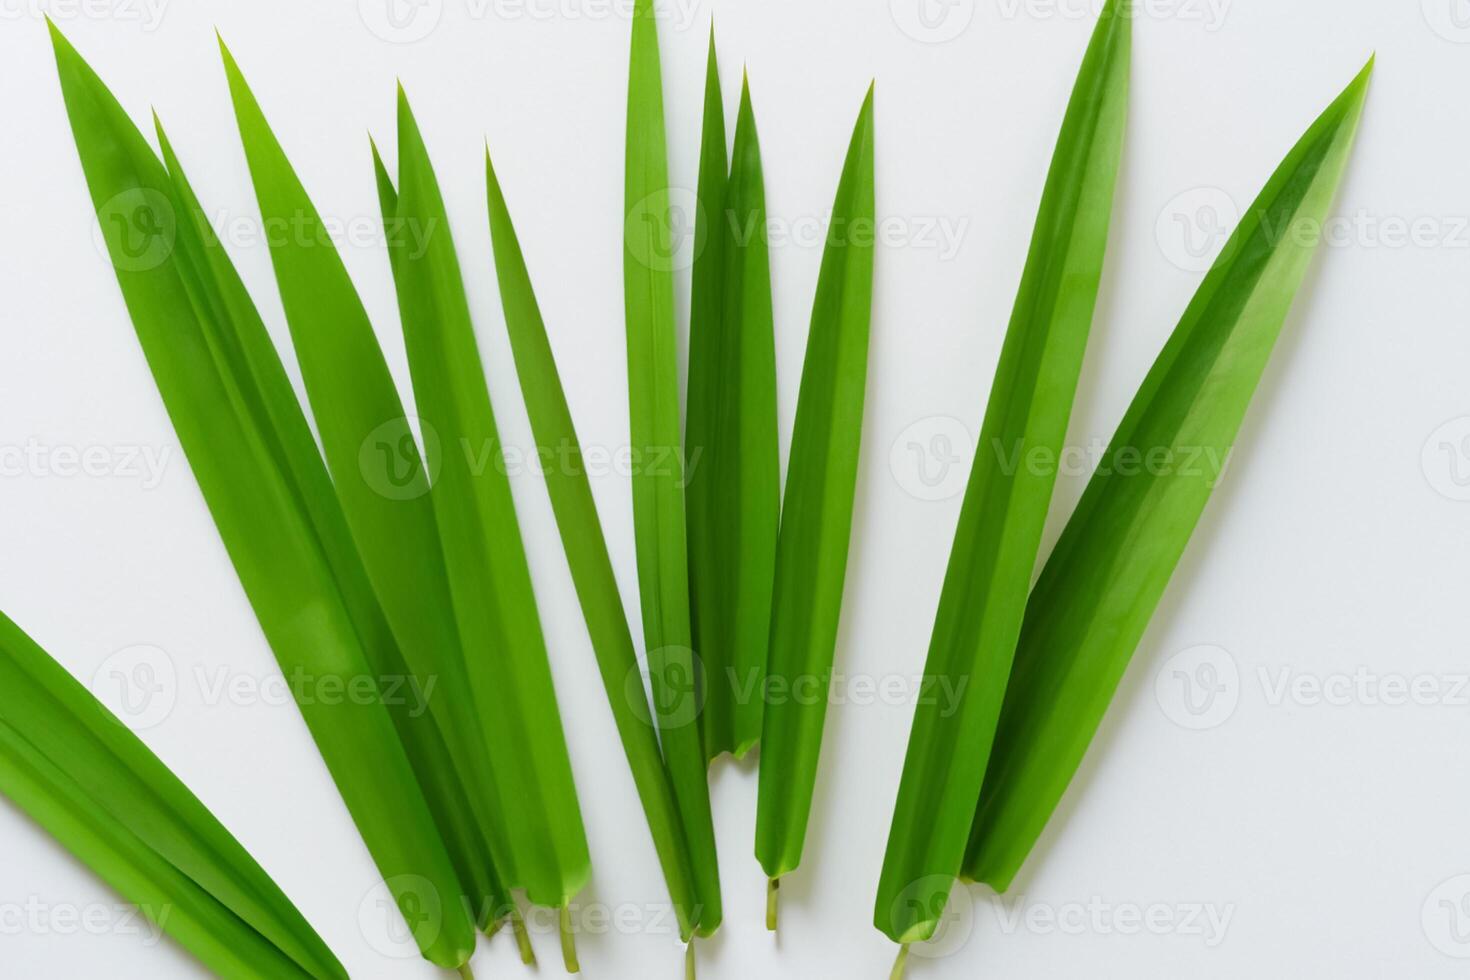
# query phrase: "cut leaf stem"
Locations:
[[568, 940], [523, 938], [900, 963]]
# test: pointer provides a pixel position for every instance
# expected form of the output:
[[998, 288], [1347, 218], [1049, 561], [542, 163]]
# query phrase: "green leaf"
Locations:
[[1004, 512], [705, 314], [74, 767], [734, 479], [587, 554], [816, 520], [658, 477], [238, 450], [277, 414], [1100, 586], [382, 487], [489, 578]]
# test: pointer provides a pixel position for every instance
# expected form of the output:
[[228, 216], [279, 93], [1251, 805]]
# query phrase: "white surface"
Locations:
[[1328, 835]]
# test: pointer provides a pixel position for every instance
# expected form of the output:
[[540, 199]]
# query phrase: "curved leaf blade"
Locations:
[[77, 769], [268, 396], [256, 507], [587, 554], [380, 485], [734, 480], [489, 578], [658, 495], [816, 519], [1104, 579], [1005, 506]]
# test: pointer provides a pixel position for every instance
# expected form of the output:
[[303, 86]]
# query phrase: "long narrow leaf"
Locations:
[[734, 464], [81, 774], [276, 550], [489, 578], [658, 495], [1103, 581], [264, 388], [816, 519], [382, 487], [1004, 512], [587, 554], [717, 705]]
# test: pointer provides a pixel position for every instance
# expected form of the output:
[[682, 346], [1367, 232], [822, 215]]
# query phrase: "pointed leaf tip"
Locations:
[[59, 43]]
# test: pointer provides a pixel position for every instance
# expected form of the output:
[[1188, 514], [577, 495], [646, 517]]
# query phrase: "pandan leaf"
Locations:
[[489, 578], [1004, 511], [658, 478], [734, 478], [77, 770], [1103, 581], [816, 518], [239, 457], [587, 554], [278, 410], [381, 488], [705, 315]]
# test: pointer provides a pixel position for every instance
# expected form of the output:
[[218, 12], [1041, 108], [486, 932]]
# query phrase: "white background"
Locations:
[[1330, 830]]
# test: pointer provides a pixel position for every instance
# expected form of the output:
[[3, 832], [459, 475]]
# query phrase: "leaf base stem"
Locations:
[[523, 938], [568, 940], [900, 963]]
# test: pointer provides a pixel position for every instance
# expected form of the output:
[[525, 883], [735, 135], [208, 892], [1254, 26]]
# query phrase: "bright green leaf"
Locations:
[[242, 444], [816, 517], [658, 478], [1004, 512], [74, 767], [734, 477], [1101, 584]]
